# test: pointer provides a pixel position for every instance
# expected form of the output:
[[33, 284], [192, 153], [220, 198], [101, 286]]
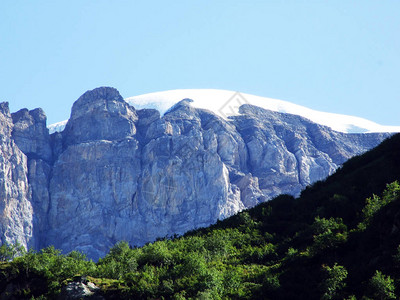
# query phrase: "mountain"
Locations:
[[119, 173], [226, 103]]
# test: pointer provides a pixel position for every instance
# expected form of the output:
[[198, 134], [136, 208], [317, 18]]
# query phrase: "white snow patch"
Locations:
[[57, 127], [226, 103]]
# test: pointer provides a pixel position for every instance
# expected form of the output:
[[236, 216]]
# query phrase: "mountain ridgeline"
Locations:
[[115, 173]]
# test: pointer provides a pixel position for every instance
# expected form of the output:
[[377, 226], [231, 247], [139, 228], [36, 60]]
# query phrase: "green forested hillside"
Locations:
[[339, 240]]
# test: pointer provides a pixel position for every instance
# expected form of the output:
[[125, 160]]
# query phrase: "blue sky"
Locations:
[[336, 56]]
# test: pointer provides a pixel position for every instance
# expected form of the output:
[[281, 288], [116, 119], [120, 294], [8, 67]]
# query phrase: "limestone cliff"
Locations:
[[117, 173], [16, 213]]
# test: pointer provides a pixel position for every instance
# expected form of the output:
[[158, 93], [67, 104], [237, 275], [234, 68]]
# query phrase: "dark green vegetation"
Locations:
[[339, 240]]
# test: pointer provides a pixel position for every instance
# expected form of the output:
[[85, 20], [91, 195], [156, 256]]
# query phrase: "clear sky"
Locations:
[[335, 56]]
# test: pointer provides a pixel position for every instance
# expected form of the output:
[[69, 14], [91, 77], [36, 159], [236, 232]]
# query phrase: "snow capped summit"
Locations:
[[226, 103]]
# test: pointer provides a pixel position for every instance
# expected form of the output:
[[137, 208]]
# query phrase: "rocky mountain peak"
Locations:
[[106, 93], [182, 109], [36, 114], [31, 134], [4, 108], [97, 114]]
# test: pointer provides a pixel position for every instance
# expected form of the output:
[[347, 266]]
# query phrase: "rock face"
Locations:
[[101, 114], [16, 212], [116, 173], [32, 138]]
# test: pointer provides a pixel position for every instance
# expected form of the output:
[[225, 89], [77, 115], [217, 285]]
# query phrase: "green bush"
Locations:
[[334, 281], [10, 251], [382, 286], [119, 261], [328, 233]]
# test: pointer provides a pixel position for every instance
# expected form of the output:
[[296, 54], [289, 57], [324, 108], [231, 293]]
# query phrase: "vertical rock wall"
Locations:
[[16, 212]]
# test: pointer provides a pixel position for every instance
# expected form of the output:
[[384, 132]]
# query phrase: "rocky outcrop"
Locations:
[[16, 212], [32, 138], [80, 288], [287, 152], [100, 114], [116, 173], [31, 134]]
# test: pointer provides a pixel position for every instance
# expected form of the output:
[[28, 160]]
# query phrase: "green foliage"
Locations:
[[392, 192], [52, 266], [292, 252], [10, 251], [260, 254], [156, 254], [55, 266], [334, 281], [375, 203], [119, 261], [144, 284], [271, 282], [383, 286], [328, 233]]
